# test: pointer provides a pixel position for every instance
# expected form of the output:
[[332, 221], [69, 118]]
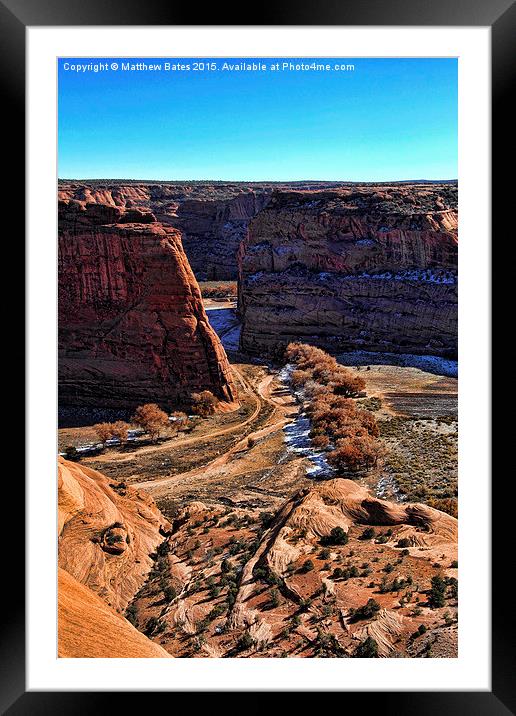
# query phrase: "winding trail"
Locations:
[[235, 427], [266, 391]]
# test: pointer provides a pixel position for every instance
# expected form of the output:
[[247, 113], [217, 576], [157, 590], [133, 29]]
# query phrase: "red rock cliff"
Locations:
[[370, 268], [132, 327]]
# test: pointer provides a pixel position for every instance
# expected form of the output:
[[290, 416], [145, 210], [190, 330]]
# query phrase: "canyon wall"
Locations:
[[365, 268], [212, 216], [213, 230], [132, 326]]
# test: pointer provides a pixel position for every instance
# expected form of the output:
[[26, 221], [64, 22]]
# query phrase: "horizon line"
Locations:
[[262, 181]]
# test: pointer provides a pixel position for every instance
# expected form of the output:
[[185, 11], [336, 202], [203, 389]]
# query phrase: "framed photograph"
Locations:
[[258, 299]]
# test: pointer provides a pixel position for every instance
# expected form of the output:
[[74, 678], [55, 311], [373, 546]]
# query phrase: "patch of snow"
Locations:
[[421, 275], [365, 242], [282, 250], [387, 486], [254, 276], [428, 363], [297, 436], [226, 325]]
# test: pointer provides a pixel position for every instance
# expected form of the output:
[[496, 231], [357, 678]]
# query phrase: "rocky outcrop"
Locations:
[[368, 268], [88, 628], [132, 327], [107, 533], [314, 512], [332, 567]]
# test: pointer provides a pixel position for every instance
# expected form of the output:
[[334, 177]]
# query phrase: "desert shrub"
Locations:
[[170, 593], [120, 430], [300, 377], [217, 611], [264, 574], [307, 566], [181, 419], [245, 642], [368, 649], [437, 593], [345, 383], [347, 573], [327, 645], [419, 631], [367, 611], [222, 290], [131, 614], [151, 419], [153, 624], [274, 598], [453, 587], [354, 453], [403, 542], [445, 504], [266, 518], [368, 533], [71, 452], [204, 403], [103, 431], [337, 536], [335, 417]]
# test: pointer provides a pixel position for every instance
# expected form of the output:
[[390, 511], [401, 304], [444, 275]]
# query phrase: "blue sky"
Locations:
[[388, 119]]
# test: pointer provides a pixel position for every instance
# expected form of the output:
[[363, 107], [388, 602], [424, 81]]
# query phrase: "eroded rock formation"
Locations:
[[107, 532], [371, 268], [132, 327], [213, 218], [88, 628], [107, 535], [285, 588]]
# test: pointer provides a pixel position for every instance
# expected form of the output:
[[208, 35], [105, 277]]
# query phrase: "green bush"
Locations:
[[368, 649], [368, 533], [437, 594], [367, 611], [337, 536]]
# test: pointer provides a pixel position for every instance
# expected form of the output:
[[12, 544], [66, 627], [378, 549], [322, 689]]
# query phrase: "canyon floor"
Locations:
[[222, 482]]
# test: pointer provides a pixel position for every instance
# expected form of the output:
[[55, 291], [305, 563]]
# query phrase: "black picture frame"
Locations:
[[500, 16]]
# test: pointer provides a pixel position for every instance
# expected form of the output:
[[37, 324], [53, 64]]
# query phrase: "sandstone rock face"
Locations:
[[132, 327], [107, 533], [368, 268], [294, 611], [88, 628]]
